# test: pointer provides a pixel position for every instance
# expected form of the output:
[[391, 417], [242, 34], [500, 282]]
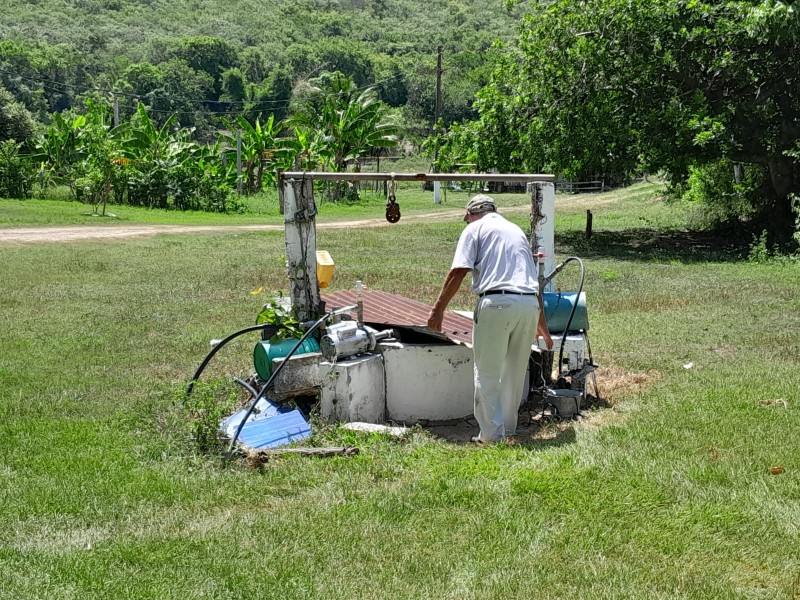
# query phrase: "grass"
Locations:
[[666, 494], [258, 209]]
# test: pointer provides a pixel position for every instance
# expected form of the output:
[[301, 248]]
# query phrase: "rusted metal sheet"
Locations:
[[382, 308]]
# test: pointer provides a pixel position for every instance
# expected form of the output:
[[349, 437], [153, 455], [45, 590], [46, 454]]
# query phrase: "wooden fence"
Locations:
[[580, 187]]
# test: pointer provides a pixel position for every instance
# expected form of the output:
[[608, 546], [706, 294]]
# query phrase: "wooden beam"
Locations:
[[259, 457], [506, 177]]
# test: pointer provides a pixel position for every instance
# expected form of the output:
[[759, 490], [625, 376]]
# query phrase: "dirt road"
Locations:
[[33, 235], [30, 235]]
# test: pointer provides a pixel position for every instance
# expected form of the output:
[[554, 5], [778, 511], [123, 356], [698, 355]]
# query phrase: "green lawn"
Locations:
[[259, 209], [665, 494]]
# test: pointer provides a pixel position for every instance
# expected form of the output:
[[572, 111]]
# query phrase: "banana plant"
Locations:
[[260, 148], [353, 121], [61, 149], [159, 157]]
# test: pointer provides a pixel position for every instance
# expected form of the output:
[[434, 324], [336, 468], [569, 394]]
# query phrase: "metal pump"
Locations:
[[347, 338]]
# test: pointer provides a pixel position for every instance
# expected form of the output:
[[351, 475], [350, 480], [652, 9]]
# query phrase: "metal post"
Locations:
[[301, 246]]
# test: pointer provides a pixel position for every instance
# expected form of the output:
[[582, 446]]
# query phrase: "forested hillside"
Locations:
[[705, 93], [202, 57]]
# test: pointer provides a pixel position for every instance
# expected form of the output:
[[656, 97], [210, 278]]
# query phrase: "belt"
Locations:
[[505, 292]]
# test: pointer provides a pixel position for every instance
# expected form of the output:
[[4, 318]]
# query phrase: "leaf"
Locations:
[[258, 291], [776, 470]]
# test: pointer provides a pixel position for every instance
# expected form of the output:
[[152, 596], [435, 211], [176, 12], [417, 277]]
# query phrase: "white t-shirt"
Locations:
[[498, 253]]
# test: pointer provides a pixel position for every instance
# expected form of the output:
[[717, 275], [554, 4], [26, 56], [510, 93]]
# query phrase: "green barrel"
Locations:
[[264, 352]]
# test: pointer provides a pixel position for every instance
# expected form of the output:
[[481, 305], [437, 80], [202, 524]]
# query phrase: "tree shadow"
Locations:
[[644, 244]]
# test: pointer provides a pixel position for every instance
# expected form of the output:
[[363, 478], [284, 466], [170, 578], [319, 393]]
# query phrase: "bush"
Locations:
[[726, 201], [16, 172]]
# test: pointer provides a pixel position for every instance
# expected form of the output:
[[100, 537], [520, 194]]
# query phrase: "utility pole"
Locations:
[[239, 161], [437, 109]]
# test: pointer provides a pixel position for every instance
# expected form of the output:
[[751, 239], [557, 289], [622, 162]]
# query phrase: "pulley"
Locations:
[[392, 207]]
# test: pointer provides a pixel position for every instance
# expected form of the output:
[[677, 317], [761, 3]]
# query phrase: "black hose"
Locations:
[[246, 386], [572, 312], [217, 348], [266, 386]]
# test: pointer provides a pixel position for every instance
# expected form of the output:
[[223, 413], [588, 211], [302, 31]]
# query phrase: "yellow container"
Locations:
[[325, 268]]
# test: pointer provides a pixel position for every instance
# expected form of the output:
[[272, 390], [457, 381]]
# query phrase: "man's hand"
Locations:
[[435, 320], [449, 289]]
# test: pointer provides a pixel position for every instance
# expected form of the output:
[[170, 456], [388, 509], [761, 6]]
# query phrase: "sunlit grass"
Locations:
[[666, 494]]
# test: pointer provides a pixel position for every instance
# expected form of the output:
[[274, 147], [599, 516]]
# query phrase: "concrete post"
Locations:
[[301, 246], [543, 199]]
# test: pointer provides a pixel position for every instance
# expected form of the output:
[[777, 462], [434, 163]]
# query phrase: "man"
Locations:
[[507, 316]]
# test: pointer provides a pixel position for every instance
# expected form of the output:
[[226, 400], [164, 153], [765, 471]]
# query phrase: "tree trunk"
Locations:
[[260, 175], [783, 182]]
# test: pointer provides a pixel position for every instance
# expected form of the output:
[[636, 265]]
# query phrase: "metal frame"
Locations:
[[297, 192]]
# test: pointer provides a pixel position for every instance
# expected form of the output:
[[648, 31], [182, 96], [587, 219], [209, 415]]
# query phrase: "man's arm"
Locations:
[[451, 284], [541, 329]]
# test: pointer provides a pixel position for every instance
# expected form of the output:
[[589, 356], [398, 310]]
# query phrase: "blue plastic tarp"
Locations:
[[269, 426]]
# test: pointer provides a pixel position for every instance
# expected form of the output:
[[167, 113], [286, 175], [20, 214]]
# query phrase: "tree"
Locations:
[[16, 123], [609, 86], [156, 153], [259, 145], [209, 54], [330, 55], [102, 155], [60, 150], [16, 173], [41, 77], [234, 86], [353, 121]]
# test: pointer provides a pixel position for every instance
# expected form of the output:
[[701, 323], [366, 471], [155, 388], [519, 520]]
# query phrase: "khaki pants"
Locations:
[[504, 331]]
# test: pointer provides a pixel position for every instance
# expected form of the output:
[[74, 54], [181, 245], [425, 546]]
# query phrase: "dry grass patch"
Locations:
[[615, 383]]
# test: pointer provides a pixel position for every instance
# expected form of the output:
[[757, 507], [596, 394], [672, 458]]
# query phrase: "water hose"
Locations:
[[574, 306], [246, 386], [217, 348]]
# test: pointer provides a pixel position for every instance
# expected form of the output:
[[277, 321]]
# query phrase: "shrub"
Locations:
[[726, 201], [16, 171], [204, 410]]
